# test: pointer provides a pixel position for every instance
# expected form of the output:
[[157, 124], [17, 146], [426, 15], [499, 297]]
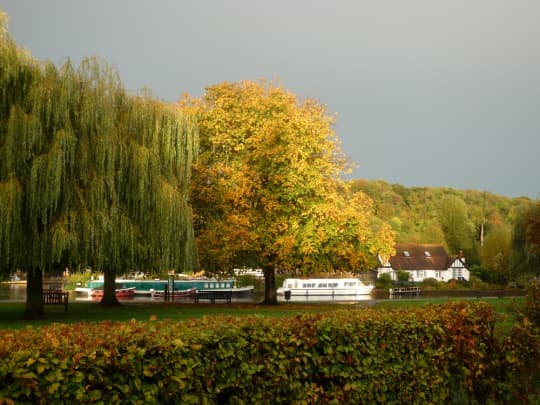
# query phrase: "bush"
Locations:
[[422, 355], [403, 277], [384, 281], [429, 283], [532, 303]]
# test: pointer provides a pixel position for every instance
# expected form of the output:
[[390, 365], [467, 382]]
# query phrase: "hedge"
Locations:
[[437, 354]]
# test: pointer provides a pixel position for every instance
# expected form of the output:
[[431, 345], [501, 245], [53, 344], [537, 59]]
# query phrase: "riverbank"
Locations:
[[458, 293]]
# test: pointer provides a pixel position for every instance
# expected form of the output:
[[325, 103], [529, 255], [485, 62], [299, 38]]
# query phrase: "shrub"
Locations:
[[403, 276], [532, 303], [384, 281], [436, 354], [429, 282]]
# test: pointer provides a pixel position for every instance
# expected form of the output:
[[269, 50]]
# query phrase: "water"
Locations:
[[12, 292], [17, 293]]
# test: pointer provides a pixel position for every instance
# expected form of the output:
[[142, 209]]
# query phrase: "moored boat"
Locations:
[[189, 293], [323, 287], [150, 287], [121, 293]]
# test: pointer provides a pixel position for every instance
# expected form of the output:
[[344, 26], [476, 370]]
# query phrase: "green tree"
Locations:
[[457, 230], [533, 226], [267, 191], [525, 256], [495, 254], [89, 175]]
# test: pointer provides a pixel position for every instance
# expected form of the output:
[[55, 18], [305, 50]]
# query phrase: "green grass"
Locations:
[[500, 304], [11, 314]]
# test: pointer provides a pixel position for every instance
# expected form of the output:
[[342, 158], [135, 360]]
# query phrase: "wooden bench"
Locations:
[[213, 296], [56, 297]]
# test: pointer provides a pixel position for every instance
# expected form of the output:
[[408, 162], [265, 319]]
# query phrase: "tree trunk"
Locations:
[[34, 294], [270, 296], [109, 288]]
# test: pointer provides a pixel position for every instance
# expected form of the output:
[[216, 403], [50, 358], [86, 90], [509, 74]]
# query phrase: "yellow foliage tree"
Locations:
[[266, 190]]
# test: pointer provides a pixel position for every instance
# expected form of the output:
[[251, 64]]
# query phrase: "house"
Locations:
[[424, 261]]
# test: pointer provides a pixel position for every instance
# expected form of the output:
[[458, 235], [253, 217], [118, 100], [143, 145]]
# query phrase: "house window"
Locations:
[[438, 274]]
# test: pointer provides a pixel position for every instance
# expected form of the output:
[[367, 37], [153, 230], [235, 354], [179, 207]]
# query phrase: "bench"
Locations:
[[55, 297], [212, 296]]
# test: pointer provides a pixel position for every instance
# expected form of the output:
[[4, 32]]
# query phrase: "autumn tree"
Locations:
[[266, 189], [88, 174]]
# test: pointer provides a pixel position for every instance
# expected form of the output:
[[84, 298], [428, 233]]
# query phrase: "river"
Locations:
[[16, 292]]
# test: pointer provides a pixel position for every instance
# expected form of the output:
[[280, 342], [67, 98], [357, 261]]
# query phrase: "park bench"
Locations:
[[213, 296], [56, 297]]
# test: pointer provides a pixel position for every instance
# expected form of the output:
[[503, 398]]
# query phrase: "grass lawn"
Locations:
[[11, 314]]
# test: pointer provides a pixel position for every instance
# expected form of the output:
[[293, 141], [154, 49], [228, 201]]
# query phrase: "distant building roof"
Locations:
[[413, 256]]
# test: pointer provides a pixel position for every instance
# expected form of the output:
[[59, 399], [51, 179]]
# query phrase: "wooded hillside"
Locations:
[[488, 228]]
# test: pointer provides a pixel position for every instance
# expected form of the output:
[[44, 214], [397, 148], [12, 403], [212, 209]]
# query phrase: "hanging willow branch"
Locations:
[[88, 174]]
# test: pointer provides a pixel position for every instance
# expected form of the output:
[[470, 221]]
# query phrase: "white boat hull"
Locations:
[[324, 291], [324, 287]]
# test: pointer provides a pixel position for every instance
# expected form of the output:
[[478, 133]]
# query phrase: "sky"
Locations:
[[427, 93]]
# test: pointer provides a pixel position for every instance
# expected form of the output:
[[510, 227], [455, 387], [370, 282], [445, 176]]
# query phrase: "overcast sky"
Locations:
[[439, 93]]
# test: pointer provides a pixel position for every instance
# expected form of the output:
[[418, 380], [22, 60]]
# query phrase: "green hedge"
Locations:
[[438, 354]]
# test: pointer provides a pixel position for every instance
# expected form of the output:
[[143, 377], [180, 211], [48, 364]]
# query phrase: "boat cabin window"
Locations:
[[205, 285], [308, 285], [350, 283], [332, 285], [323, 285]]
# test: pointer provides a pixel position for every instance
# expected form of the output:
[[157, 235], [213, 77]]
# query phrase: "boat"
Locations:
[[121, 293], [189, 293], [323, 287], [151, 287]]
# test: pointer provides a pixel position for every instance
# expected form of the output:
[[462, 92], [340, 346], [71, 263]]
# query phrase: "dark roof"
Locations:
[[413, 256]]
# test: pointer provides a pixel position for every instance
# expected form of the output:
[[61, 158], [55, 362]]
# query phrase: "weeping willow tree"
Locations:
[[88, 174]]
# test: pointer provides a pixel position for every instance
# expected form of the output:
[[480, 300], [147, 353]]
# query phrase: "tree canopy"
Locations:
[[267, 191], [88, 174]]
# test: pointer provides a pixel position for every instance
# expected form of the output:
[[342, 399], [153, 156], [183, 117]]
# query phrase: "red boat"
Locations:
[[121, 293]]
